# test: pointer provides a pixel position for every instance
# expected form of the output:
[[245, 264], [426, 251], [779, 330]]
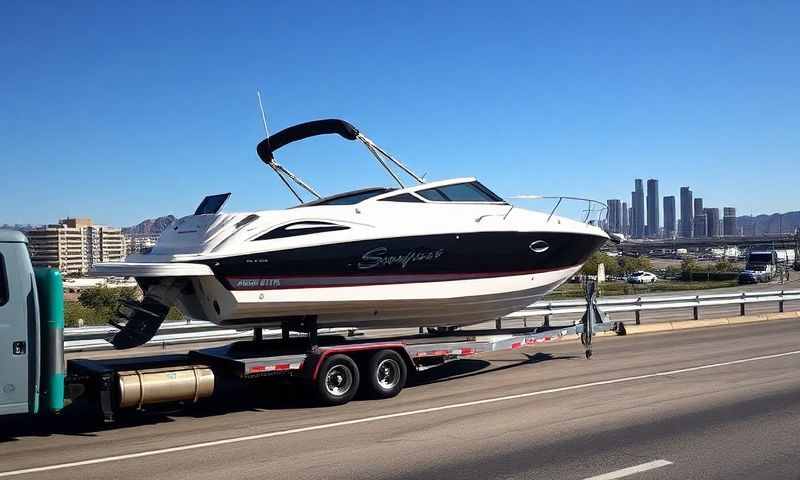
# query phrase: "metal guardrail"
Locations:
[[645, 303], [176, 333]]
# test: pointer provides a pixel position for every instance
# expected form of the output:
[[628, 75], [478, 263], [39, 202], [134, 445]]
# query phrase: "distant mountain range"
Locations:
[[150, 226], [775, 223]]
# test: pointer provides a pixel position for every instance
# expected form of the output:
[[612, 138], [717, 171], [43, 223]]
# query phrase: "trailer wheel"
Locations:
[[386, 373], [337, 380]]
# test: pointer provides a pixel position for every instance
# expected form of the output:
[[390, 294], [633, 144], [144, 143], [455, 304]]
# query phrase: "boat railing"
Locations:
[[593, 211]]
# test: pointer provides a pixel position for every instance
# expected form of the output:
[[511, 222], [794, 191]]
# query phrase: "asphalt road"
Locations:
[[719, 402]]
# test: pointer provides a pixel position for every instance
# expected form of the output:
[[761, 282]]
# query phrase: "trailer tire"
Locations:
[[337, 380], [386, 374]]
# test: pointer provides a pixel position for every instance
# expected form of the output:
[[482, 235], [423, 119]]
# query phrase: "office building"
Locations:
[[653, 206], [625, 221], [139, 243], [58, 246], [729, 222], [73, 245], [669, 217], [712, 222], [615, 216], [687, 218], [700, 221], [104, 244], [637, 202]]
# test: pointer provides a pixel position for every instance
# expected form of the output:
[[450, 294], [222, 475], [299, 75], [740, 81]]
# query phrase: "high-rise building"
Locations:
[[687, 218], [700, 226], [104, 244], [700, 221], [625, 222], [58, 246], [74, 245], [615, 216], [729, 222], [712, 222], [669, 217], [653, 206], [637, 201]]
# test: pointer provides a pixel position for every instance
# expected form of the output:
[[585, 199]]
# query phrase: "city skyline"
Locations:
[[696, 219]]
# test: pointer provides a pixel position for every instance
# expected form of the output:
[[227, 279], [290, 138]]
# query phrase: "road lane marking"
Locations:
[[631, 470], [260, 436]]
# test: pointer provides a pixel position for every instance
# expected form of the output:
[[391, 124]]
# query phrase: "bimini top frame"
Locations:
[[267, 147]]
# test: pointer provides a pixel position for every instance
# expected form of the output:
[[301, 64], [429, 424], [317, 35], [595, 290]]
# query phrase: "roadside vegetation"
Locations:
[[691, 275], [96, 306], [573, 290]]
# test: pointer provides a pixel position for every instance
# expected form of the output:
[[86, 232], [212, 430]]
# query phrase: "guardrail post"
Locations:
[[498, 324], [780, 303], [741, 306], [546, 321], [638, 311]]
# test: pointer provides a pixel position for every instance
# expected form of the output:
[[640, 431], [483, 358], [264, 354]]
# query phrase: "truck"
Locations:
[[764, 264], [36, 379]]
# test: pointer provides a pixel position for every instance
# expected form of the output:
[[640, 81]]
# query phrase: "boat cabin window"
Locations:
[[460, 192], [403, 197], [349, 198]]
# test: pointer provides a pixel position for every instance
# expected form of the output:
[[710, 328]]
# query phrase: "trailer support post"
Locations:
[[285, 331]]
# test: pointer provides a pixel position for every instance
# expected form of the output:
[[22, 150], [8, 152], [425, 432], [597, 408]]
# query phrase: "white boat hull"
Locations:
[[443, 303]]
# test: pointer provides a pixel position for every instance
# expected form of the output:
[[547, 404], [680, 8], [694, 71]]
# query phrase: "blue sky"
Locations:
[[127, 112]]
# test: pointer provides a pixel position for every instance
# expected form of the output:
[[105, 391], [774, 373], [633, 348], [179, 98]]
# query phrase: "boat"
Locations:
[[440, 254]]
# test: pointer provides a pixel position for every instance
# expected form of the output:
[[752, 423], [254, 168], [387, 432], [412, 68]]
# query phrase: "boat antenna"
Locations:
[[273, 164]]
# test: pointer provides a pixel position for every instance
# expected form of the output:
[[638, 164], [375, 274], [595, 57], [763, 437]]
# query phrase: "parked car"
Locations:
[[642, 277], [754, 276]]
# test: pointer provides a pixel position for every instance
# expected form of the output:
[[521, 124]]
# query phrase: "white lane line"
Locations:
[[260, 436], [631, 470]]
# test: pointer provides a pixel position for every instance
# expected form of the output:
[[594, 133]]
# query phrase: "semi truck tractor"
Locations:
[[36, 379]]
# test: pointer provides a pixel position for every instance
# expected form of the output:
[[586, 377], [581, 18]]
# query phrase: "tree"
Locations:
[[590, 267], [103, 301], [725, 266]]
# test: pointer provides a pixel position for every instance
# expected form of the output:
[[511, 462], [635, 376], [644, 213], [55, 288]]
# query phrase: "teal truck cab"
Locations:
[[31, 328]]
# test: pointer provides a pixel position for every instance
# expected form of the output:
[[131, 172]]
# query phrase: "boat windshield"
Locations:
[[349, 198], [460, 192]]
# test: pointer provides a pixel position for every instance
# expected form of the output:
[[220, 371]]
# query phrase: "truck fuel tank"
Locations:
[[159, 385]]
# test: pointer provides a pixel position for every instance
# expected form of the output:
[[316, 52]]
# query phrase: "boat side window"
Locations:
[[301, 228], [403, 197], [3, 282], [348, 198], [460, 192]]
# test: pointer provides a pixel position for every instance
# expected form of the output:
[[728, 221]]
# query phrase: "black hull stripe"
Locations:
[[430, 256], [255, 282]]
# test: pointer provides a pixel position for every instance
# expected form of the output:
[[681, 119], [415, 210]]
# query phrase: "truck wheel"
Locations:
[[386, 372], [337, 380]]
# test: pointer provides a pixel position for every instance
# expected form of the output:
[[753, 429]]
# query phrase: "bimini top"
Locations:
[[267, 147], [302, 131]]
